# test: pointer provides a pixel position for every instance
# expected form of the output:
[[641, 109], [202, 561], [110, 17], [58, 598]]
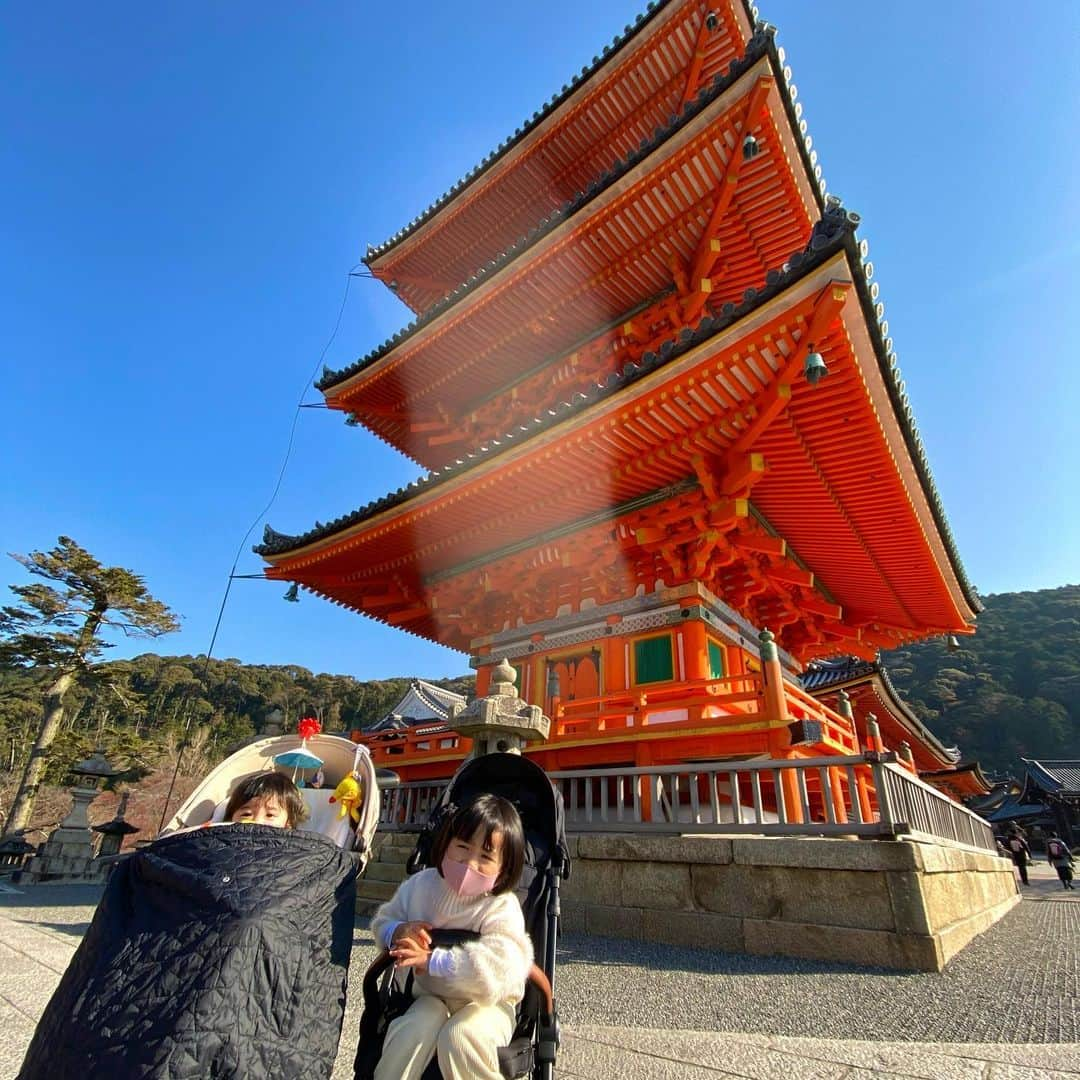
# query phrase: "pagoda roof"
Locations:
[[827, 240], [600, 115], [761, 50], [431, 526], [966, 778]]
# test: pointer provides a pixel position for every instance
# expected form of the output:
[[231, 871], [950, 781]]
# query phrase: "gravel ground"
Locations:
[[1017, 983]]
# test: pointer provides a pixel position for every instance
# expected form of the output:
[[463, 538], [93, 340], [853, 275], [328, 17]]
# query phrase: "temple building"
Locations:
[[423, 704], [669, 460], [1046, 800], [873, 699]]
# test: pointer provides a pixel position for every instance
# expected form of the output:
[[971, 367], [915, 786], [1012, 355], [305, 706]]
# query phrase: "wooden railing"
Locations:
[[734, 696], [863, 795], [732, 699]]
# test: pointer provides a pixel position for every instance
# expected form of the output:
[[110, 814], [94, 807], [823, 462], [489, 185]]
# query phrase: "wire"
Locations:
[[262, 513]]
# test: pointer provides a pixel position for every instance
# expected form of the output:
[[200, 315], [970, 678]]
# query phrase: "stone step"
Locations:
[[366, 908], [395, 841], [389, 853], [380, 870], [375, 890]]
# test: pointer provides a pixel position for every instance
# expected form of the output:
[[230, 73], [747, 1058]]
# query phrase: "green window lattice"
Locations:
[[716, 660], [653, 660]]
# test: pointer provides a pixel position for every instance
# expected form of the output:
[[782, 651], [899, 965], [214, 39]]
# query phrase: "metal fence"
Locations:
[[862, 795]]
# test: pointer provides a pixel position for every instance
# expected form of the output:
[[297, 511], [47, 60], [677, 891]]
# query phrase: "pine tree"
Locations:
[[56, 628]]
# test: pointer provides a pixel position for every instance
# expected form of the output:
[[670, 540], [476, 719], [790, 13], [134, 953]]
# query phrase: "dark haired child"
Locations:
[[464, 997], [268, 798]]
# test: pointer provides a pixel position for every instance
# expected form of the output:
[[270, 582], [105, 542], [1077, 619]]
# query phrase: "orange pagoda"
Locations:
[[669, 456]]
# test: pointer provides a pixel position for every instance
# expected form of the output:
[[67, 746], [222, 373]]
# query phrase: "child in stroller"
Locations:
[[221, 952], [474, 802]]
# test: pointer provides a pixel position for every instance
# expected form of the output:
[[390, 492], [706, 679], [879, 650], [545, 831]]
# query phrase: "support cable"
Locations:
[[262, 513]]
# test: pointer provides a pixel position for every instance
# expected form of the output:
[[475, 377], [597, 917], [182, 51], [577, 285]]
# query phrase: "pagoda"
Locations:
[[669, 457]]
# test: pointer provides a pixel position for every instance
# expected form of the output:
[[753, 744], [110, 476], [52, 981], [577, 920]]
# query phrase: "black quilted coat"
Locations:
[[216, 953]]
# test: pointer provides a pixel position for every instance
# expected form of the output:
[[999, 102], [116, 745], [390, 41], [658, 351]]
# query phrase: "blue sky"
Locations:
[[186, 186]]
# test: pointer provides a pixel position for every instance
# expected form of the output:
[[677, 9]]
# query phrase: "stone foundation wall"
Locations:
[[895, 904]]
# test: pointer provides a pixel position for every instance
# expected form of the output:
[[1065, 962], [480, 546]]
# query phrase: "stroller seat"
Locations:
[[533, 1045], [207, 803], [324, 817]]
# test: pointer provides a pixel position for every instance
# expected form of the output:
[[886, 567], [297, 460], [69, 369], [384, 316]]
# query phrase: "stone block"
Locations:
[[658, 886], [796, 894], [620, 922], [594, 881], [908, 904], [826, 853], [572, 919], [655, 849], [938, 859], [734, 890], [953, 938], [877, 948], [949, 898], [693, 929]]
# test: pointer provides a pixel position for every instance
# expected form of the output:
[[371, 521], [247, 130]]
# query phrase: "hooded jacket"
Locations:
[[219, 953]]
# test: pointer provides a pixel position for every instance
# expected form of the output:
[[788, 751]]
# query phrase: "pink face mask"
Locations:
[[466, 881]]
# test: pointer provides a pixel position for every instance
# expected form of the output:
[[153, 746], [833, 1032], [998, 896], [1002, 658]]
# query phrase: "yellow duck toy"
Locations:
[[348, 793]]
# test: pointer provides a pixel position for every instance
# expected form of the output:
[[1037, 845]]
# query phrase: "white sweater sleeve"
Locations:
[[395, 910], [494, 968]]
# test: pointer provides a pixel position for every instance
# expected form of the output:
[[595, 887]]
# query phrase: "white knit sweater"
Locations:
[[487, 971]]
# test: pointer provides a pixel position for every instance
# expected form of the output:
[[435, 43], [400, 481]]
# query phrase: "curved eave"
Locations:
[[277, 544], [551, 136], [972, 769], [877, 680], [835, 256], [761, 47]]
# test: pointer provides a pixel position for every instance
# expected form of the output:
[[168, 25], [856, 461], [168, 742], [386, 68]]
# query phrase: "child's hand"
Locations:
[[410, 953], [418, 931]]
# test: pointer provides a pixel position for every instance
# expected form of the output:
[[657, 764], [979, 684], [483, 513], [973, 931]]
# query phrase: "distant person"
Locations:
[[1020, 852], [1060, 858]]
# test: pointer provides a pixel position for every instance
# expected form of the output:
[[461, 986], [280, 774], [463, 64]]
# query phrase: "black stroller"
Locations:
[[532, 1049]]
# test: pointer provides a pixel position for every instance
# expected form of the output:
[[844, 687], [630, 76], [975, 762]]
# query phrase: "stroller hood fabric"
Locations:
[[219, 953]]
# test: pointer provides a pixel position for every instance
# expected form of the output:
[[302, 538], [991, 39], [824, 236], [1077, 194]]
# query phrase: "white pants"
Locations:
[[465, 1035]]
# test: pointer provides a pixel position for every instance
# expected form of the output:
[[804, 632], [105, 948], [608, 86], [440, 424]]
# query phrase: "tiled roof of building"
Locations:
[[538, 117], [423, 701], [761, 44], [833, 233], [1059, 777], [821, 675]]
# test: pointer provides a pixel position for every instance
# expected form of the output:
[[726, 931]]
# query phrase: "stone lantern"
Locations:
[[273, 725], [113, 832], [501, 721], [69, 851]]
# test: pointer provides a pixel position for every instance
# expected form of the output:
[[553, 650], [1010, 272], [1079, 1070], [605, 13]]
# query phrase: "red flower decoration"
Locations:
[[308, 726]]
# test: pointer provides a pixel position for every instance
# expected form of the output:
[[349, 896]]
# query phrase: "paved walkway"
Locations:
[[635, 1013]]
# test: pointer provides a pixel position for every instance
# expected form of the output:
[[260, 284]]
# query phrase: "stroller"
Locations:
[[338, 757], [532, 1049], [222, 952]]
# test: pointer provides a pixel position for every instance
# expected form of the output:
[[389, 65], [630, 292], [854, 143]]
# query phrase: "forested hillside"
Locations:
[[1012, 690], [139, 710]]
